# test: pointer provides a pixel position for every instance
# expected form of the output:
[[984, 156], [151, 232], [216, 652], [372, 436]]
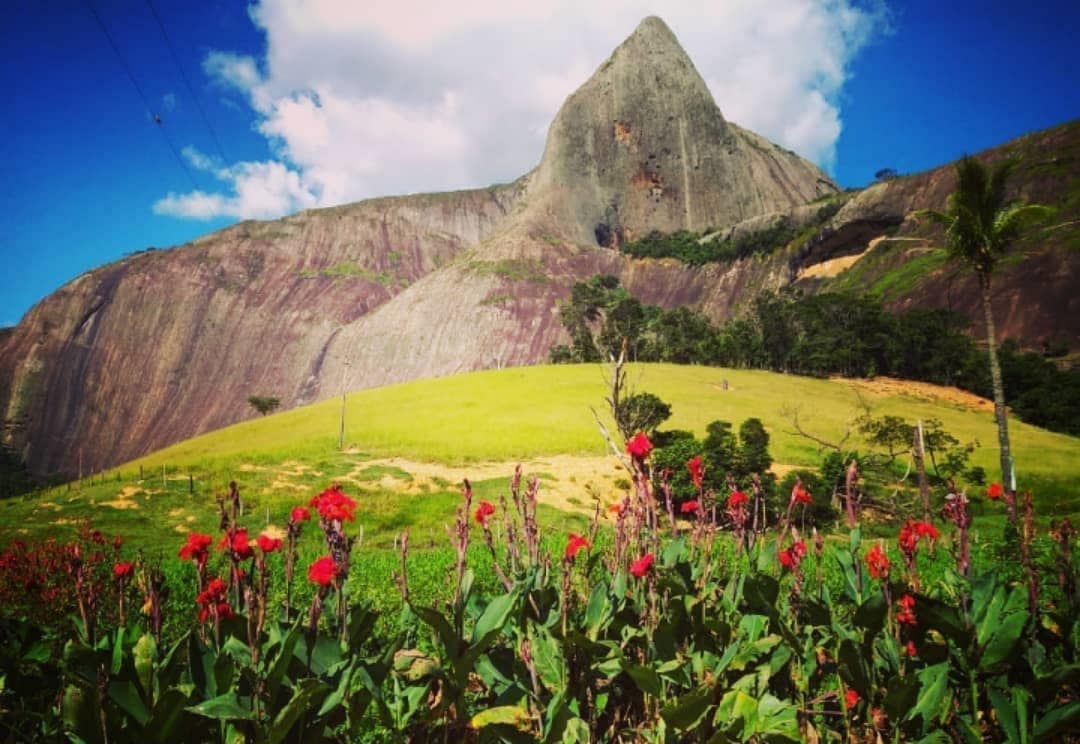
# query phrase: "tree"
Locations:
[[641, 412], [979, 226], [264, 404]]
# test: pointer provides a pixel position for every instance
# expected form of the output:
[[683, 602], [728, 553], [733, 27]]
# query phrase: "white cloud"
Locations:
[[393, 96]]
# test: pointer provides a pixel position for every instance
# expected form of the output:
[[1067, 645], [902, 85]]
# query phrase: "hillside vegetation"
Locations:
[[480, 425]]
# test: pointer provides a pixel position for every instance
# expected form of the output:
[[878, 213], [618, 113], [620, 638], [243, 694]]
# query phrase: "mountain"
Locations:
[[163, 345]]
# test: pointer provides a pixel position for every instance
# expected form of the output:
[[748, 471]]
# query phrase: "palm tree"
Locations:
[[979, 227]]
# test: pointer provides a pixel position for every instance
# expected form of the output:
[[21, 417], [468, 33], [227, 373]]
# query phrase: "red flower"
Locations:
[[994, 491], [574, 544], [299, 514], [878, 563], [690, 507], [238, 543], [694, 466], [214, 599], [910, 649], [910, 534], [323, 571], [485, 510], [639, 447], [333, 505], [906, 614], [268, 543], [736, 499], [123, 570], [851, 698], [197, 548], [641, 566], [799, 494], [792, 557], [618, 508]]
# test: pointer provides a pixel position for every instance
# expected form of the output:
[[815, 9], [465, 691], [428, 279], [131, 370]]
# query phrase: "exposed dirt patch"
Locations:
[[923, 390], [121, 504], [574, 482], [835, 266]]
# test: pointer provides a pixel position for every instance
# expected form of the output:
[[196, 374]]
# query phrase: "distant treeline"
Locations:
[[692, 247], [817, 335]]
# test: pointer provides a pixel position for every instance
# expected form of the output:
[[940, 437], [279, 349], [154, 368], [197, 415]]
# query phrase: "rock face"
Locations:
[[642, 146], [164, 345]]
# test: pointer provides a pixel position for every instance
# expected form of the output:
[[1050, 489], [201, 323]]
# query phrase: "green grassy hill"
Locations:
[[479, 425]]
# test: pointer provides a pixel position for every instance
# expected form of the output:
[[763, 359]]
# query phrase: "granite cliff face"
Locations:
[[164, 345]]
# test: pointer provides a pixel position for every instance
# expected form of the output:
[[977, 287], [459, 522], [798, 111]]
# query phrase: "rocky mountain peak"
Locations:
[[642, 146]]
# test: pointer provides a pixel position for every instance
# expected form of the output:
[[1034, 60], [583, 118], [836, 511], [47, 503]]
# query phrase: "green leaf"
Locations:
[[688, 711], [934, 614], [597, 611], [737, 714], [548, 659], [871, 614], [278, 663], [144, 653], [307, 694], [776, 718], [513, 716], [494, 617], [117, 652], [935, 698], [202, 659], [999, 641], [166, 717], [126, 696], [222, 708], [644, 677], [854, 668], [442, 627], [1060, 720], [1006, 711], [79, 711]]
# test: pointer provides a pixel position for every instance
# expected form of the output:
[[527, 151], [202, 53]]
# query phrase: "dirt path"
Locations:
[[923, 390]]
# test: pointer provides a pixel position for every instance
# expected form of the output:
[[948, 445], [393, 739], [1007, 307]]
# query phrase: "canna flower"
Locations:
[[197, 548], [323, 571], [639, 447], [696, 471], [910, 534], [238, 543], [574, 544], [214, 599], [792, 557], [910, 649], [851, 697], [799, 494], [485, 510], [642, 565], [123, 570], [906, 614], [737, 499], [878, 563], [690, 507], [333, 505], [618, 508], [299, 514], [268, 543], [994, 491]]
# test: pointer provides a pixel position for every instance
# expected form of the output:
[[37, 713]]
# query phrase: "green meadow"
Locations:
[[468, 422]]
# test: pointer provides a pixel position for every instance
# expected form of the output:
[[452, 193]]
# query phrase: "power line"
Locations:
[[142, 95], [187, 83]]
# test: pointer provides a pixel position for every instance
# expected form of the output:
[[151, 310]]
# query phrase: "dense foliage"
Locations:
[[700, 248], [819, 335], [659, 628]]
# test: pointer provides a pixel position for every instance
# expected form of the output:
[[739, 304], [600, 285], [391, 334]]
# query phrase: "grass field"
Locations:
[[479, 425]]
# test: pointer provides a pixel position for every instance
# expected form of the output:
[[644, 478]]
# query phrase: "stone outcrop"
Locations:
[[164, 345]]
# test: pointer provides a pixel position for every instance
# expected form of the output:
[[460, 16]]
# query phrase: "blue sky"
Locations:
[[346, 100]]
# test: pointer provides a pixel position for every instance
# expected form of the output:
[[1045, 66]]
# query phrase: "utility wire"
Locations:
[[142, 95], [187, 83]]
